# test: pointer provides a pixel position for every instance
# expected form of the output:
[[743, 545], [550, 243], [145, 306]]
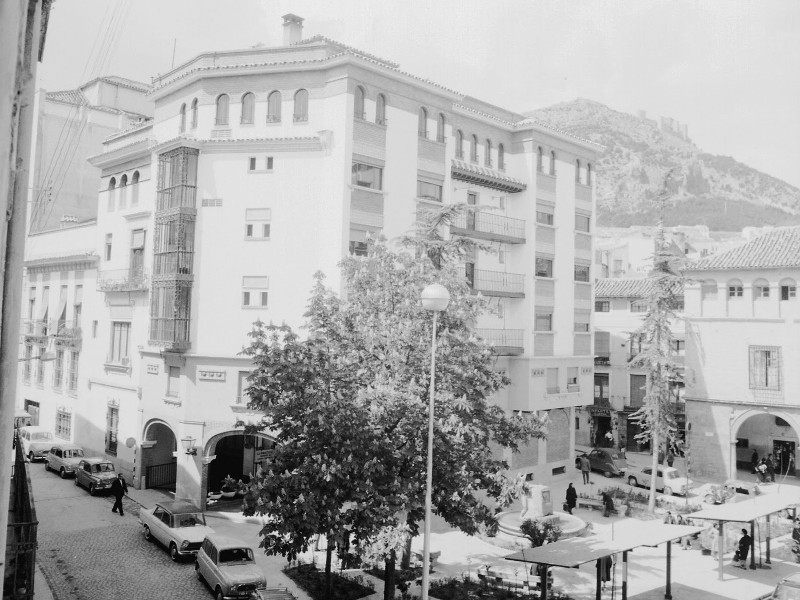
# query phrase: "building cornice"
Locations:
[[137, 149], [77, 262], [744, 403]]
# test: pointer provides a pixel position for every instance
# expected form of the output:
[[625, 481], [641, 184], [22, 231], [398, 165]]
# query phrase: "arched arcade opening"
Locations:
[[236, 455], [766, 433], [158, 465]]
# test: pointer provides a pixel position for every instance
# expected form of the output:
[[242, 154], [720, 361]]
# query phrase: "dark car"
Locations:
[[95, 474], [608, 461]]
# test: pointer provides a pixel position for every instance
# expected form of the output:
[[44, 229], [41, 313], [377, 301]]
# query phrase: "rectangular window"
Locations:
[[72, 385], [58, 369], [639, 306], [112, 426], [544, 321], [252, 166], [735, 291], [601, 389], [241, 396], [761, 291], [572, 379], [120, 340], [358, 248], [501, 256], [602, 306], [582, 222], [679, 347], [765, 367], [77, 307], [635, 345], [544, 267], [429, 191], [638, 390], [582, 273], [173, 381], [26, 371], [551, 378], [582, 318], [544, 218], [788, 292], [368, 176], [254, 292], [257, 223], [40, 368], [63, 424], [602, 347], [108, 247]]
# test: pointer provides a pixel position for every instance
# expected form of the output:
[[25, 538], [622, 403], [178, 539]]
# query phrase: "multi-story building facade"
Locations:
[[743, 339], [264, 166], [619, 389]]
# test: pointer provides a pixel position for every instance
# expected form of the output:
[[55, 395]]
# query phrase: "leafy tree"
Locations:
[[540, 531], [658, 354], [348, 406]]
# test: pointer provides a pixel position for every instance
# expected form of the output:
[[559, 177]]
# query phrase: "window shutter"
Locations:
[[753, 367]]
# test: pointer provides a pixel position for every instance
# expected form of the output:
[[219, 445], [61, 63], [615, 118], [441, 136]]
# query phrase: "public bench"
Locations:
[[511, 580], [593, 504]]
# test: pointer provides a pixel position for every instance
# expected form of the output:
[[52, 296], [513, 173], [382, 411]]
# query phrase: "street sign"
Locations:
[[265, 454]]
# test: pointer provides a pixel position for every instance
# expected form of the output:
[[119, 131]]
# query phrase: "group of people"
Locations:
[[766, 468], [679, 519]]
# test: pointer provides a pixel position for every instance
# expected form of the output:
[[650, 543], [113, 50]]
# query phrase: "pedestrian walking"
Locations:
[[608, 503], [118, 489], [670, 458], [572, 498], [744, 548], [753, 461], [606, 564], [586, 467]]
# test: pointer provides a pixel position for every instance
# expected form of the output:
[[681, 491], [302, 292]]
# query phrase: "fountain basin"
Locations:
[[571, 526]]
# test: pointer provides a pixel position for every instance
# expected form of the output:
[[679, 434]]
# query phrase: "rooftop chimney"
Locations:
[[292, 29]]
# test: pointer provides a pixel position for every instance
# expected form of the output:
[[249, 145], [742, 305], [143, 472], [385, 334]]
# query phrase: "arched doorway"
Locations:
[[158, 462], [236, 455], [765, 433]]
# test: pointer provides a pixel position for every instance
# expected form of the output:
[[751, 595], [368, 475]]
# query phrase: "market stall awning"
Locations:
[[747, 510]]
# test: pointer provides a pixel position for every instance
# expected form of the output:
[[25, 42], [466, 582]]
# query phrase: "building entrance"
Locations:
[[783, 453]]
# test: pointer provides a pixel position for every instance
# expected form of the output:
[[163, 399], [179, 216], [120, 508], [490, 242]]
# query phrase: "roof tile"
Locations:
[[775, 249]]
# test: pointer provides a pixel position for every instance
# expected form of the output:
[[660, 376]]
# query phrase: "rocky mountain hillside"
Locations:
[[711, 190]]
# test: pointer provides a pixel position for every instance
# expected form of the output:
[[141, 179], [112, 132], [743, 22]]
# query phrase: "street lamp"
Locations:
[[188, 445], [435, 299]]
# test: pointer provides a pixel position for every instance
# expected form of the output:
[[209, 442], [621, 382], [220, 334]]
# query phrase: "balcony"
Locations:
[[123, 280], [66, 336], [506, 342], [602, 361], [496, 283], [35, 329], [20, 551], [172, 334], [461, 170], [491, 227]]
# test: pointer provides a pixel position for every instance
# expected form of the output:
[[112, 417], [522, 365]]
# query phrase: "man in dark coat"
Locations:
[[744, 548], [572, 498], [118, 489]]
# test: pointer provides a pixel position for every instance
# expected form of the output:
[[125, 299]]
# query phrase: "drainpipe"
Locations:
[[20, 21]]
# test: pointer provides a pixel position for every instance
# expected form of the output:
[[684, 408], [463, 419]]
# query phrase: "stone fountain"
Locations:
[[537, 504]]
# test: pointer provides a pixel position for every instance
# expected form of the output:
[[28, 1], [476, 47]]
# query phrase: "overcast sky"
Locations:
[[730, 69]]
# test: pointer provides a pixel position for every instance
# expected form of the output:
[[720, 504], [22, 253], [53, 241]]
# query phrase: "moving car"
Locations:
[[229, 568], [668, 480], [63, 458], [36, 441], [606, 460], [788, 588], [95, 474], [178, 525]]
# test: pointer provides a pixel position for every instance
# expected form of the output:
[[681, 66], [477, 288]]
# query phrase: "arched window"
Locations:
[[588, 173], [440, 128], [274, 107], [223, 103], [123, 181], [194, 113], [422, 125], [735, 290], [182, 126], [577, 171], [380, 109], [760, 289], [552, 162], [123, 184], [788, 289], [487, 160], [501, 157], [474, 150], [539, 159], [301, 106], [709, 289], [135, 189], [358, 105], [112, 185], [459, 144], [248, 108]]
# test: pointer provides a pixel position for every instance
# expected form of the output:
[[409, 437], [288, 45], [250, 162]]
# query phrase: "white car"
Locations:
[[668, 480], [36, 441], [229, 568], [180, 526]]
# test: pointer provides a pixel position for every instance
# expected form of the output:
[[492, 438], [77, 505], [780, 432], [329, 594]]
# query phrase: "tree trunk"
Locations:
[[405, 562], [388, 576], [655, 443], [328, 574]]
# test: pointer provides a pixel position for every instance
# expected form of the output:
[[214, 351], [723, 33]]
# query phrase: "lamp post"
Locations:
[[435, 299]]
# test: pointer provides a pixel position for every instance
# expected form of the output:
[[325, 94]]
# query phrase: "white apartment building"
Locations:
[[265, 165], [619, 308], [743, 345]]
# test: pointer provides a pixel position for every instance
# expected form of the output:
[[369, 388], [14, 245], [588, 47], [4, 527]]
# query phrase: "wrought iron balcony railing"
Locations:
[[490, 226], [123, 280], [506, 342], [497, 283]]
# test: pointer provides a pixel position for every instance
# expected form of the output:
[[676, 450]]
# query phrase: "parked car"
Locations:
[[63, 458], [788, 588], [733, 490], [180, 526], [36, 441], [95, 474], [22, 418], [668, 480], [606, 460], [229, 568]]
